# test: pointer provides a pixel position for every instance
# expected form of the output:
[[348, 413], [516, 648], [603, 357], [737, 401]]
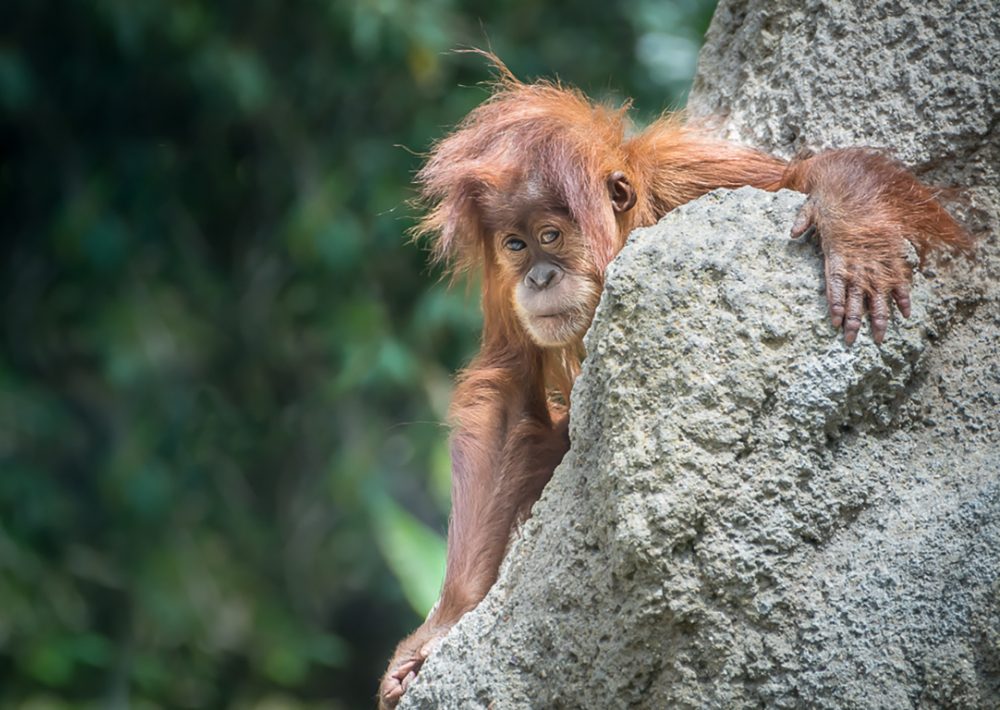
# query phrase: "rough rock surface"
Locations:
[[753, 515], [919, 77]]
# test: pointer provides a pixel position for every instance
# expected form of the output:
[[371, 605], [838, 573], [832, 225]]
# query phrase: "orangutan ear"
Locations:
[[621, 191]]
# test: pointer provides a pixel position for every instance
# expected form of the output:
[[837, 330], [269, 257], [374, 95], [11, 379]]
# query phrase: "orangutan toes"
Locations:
[[536, 191], [405, 665], [398, 680]]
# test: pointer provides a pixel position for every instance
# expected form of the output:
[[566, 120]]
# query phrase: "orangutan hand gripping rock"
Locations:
[[538, 189]]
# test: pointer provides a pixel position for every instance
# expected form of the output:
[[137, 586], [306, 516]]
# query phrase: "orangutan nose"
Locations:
[[543, 275]]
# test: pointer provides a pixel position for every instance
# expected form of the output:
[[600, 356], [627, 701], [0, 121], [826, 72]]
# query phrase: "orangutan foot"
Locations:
[[405, 664]]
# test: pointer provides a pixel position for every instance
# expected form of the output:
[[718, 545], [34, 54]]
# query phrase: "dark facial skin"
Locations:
[[540, 254], [543, 254]]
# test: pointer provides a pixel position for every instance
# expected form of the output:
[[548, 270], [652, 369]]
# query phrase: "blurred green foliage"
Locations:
[[223, 477]]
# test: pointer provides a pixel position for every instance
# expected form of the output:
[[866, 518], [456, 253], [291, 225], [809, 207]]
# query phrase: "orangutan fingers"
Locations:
[[804, 226], [854, 312], [879, 315], [836, 288], [901, 295], [837, 304]]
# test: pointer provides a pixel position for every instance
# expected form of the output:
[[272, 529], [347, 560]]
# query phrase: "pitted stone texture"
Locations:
[[920, 78], [752, 514]]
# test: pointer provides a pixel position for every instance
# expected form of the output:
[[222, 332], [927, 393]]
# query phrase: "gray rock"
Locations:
[[921, 78], [753, 515]]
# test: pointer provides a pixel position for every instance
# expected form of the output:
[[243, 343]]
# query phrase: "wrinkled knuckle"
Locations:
[[836, 262]]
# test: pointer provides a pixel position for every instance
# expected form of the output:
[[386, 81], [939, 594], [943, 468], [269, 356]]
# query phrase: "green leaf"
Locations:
[[285, 665], [51, 661], [415, 553]]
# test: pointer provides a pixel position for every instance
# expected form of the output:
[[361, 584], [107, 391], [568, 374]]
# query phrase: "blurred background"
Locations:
[[223, 370]]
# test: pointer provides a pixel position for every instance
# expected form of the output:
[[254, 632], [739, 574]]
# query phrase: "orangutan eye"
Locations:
[[514, 244], [548, 236]]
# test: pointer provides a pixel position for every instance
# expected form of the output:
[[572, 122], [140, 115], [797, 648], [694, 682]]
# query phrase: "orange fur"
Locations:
[[547, 144]]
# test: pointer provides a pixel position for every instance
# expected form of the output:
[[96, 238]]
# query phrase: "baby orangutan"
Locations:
[[538, 188]]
